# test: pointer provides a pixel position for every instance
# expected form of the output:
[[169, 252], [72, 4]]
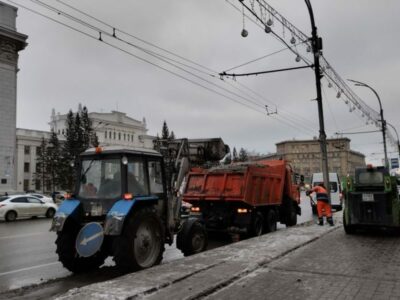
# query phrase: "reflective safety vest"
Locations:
[[322, 194]]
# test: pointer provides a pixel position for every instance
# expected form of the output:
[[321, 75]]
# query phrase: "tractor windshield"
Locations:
[[100, 179]]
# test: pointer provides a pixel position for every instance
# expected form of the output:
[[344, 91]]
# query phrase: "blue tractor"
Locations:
[[126, 205]]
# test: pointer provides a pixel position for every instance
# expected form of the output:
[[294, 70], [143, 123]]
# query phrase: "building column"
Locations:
[[10, 43]]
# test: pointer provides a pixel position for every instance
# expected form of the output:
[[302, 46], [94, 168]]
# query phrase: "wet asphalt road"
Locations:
[[27, 258], [27, 254]]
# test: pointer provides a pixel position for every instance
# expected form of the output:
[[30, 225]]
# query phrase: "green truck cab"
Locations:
[[371, 200]]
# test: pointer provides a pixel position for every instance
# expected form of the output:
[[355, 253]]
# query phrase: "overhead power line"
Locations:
[[136, 37], [138, 57], [307, 61], [158, 47], [257, 59], [149, 52], [357, 132], [268, 16], [163, 49]]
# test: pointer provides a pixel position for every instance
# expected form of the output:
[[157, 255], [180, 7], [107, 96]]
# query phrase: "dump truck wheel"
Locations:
[[70, 259], [257, 225], [192, 238], [270, 221], [141, 244], [348, 229], [290, 213]]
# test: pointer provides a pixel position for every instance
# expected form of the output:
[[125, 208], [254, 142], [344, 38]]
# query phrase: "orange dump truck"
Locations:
[[248, 198]]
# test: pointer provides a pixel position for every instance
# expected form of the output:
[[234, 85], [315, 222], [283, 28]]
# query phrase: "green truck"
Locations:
[[371, 200]]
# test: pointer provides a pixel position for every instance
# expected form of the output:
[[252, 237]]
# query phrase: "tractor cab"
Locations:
[[106, 176]]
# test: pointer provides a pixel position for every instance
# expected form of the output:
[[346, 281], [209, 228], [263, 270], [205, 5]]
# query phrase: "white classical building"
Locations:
[[114, 128], [28, 143]]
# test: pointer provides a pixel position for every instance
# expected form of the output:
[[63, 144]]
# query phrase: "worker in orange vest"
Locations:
[[322, 204]]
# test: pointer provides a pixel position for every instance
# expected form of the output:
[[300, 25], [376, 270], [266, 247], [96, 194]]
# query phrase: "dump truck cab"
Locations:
[[371, 199]]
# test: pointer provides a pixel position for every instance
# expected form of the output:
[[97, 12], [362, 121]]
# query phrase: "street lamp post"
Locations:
[[383, 122], [316, 43]]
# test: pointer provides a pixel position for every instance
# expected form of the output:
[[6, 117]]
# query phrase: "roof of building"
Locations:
[[23, 133]]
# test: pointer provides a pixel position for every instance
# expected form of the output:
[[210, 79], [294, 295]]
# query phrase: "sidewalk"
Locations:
[[209, 272]]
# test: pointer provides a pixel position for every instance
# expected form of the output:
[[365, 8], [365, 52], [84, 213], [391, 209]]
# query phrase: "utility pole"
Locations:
[[383, 122], [316, 43]]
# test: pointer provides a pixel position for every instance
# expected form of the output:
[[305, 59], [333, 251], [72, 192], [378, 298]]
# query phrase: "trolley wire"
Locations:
[[149, 52]]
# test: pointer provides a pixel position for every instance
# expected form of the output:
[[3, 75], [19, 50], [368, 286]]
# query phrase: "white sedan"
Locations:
[[23, 206], [44, 198]]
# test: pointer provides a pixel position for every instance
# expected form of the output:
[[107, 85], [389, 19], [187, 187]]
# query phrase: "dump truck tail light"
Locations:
[[195, 209]]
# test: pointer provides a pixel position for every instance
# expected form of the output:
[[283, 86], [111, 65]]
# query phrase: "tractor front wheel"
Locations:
[[69, 257]]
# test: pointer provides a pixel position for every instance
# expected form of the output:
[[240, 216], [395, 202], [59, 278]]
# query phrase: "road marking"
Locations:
[[30, 268], [22, 235]]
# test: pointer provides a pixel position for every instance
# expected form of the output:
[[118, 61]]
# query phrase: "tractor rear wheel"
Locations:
[[141, 244]]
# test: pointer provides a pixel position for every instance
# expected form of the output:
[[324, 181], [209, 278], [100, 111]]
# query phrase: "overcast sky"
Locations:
[[61, 68]]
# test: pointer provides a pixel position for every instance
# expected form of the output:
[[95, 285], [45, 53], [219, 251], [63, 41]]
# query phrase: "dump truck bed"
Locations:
[[256, 184]]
